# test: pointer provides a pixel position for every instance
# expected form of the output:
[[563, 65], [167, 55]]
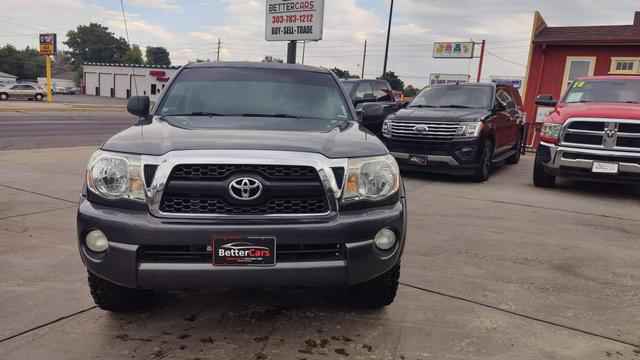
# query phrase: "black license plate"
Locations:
[[244, 251]]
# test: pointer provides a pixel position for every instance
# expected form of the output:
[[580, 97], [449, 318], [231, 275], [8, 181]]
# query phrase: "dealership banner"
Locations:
[[453, 50], [294, 20]]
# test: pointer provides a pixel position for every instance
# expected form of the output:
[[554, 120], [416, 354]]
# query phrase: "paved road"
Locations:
[[499, 270], [59, 129]]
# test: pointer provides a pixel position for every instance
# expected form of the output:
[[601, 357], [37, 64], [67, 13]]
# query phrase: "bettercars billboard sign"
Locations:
[[48, 44], [294, 20], [453, 50]]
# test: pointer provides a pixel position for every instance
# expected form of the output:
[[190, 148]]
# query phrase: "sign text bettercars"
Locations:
[[294, 20]]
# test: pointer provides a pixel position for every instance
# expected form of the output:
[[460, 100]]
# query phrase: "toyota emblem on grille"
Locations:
[[421, 129], [245, 188]]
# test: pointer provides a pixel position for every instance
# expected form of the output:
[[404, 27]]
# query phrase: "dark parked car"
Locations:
[[458, 129], [243, 175], [364, 92]]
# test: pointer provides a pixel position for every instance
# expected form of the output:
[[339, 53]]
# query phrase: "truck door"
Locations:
[[505, 125]]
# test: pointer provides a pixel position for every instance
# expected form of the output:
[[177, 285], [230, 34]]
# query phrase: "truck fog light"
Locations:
[[97, 241], [385, 239]]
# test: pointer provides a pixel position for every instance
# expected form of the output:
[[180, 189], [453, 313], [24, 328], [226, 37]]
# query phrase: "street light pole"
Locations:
[[386, 51], [292, 46], [364, 58]]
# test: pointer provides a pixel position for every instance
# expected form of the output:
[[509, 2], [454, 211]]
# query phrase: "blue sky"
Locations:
[[189, 29]]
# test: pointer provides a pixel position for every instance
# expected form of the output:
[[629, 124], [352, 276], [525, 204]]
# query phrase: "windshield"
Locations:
[[348, 85], [455, 96], [623, 91], [255, 92]]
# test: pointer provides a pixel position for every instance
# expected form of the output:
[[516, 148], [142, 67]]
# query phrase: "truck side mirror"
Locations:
[[546, 100], [139, 106], [372, 110]]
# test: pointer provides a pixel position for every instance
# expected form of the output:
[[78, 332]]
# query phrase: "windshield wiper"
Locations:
[[454, 106], [423, 106], [287, 116], [197, 113]]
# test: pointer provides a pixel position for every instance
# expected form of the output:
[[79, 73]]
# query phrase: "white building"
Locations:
[[122, 80]]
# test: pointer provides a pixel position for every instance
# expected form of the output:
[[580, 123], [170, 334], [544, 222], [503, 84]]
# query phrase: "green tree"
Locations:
[[134, 56], [394, 80], [95, 43], [25, 64], [344, 74], [411, 91], [157, 55]]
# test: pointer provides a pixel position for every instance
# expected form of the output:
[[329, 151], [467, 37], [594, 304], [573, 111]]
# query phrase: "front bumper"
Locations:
[[130, 230], [578, 163], [449, 157]]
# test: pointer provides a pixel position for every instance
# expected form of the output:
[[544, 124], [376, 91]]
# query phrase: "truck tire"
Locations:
[[515, 158], [39, 97], [4, 96], [483, 171], [378, 292], [115, 298], [540, 177]]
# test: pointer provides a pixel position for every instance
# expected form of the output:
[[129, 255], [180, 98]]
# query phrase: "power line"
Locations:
[[505, 60]]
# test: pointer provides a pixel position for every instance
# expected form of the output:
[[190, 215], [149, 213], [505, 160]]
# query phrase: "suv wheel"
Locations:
[[111, 297], [540, 177], [378, 292], [4, 96], [39, 97], [483, 171], [515, 158]]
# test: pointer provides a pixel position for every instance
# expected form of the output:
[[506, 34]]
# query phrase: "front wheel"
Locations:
[[483, 172], [378, 292], [115, 298], [540, 177], [515, 158], [4, 96], [39, 97]]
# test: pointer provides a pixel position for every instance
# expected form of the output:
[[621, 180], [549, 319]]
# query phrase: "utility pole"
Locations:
[[292, 46], [219, 46], [386, 51], [48, 72], [483, 43], [364, 58], [304, 47]]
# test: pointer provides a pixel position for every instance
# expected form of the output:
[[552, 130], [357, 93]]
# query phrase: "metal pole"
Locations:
[[218, 57], [304, 47], [291, 52], [481, 60], [386, 51], [48, 70], [364, 58]]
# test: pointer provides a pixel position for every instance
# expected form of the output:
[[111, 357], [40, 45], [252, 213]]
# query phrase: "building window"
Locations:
[[576, 67], [625, 65]]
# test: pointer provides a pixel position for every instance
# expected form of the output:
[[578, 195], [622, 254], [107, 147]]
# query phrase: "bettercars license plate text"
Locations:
[[604, 167], [244, 251]]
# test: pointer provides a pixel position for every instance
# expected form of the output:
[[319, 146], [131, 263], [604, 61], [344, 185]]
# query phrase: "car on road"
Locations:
[[364, 92], [22, 91], [459, 129], [593, 133], [243, 175]]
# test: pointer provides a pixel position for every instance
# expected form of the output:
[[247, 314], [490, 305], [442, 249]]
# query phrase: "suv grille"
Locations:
[[424, 130], [204, 189], [603, 134], [203, 254]]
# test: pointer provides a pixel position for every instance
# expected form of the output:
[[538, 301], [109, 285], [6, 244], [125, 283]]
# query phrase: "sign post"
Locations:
[[48, 47], [293, 21]]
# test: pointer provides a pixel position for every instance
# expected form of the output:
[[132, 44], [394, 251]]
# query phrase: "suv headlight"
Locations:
[[373, 178], [386, 128], [116, 176], [470, 129]]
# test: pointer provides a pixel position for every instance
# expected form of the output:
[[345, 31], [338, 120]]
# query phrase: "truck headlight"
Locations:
[[386, 128], [116, 176], [373, 178], [550, 132], [470, 129]]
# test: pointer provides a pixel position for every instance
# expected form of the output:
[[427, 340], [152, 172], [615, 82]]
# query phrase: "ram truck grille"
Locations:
[[608, 134]]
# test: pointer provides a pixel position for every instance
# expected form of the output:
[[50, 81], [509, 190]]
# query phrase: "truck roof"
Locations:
[[256, 65]]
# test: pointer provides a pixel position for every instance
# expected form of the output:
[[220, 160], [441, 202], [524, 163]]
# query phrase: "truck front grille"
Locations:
[[194, 254], [204, 189], [412, 130], [608, 134]]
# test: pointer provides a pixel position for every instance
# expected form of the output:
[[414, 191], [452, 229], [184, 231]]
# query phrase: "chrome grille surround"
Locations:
[[432, 130], [601, 133]]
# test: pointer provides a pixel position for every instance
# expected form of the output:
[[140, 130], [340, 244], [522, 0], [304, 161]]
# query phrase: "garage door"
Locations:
[[91, 82], [122, 85], [106, 84]]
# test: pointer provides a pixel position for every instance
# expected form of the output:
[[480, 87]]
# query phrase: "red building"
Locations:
[[558, 55]]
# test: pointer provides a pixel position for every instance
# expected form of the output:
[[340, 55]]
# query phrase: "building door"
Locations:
[[576, 67]]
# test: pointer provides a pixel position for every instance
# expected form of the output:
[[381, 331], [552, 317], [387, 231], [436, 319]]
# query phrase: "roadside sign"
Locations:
[[288, 20], [506, 80], [48, 45], [440, 79], [453, 50]]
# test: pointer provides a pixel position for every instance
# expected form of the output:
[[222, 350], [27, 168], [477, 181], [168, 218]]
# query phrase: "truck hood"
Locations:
[[597, 110], [332, 139], [441, 114]]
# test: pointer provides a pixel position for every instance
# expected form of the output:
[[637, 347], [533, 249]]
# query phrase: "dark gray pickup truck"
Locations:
[[243, 175]]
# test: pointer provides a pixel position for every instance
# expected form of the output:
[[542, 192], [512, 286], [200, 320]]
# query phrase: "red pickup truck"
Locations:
[[593, 133]]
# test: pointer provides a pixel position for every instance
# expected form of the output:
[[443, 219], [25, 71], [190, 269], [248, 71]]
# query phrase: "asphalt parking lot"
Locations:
[[499, 270]]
